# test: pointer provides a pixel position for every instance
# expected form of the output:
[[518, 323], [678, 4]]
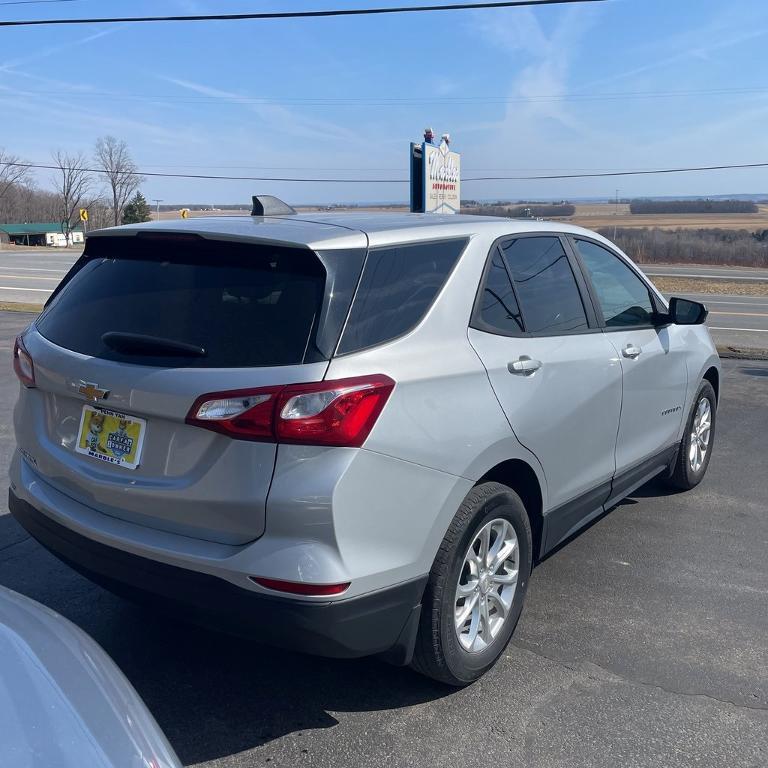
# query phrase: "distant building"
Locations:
[[46, 233]]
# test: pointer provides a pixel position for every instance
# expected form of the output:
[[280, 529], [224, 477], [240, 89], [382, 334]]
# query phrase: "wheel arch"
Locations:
[[712, 375], [521, 478]]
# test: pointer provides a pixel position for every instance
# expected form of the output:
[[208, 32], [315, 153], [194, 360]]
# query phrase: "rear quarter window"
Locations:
[[397, 288], [246, 305]]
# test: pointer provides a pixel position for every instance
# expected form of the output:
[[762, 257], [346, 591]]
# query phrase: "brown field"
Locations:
[[166, 215], [245, 211], [602, 215], [677, 285], [590, 215]]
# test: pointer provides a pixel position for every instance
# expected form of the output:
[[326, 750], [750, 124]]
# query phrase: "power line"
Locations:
[[383, 170], [297, 14], [649, 172], [36, 2], [384, 101], [215, 177]]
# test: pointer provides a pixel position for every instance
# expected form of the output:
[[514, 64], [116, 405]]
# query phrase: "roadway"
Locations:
[[740, 321], [736, 321], [757, 274], [30, 276], [643, 644]]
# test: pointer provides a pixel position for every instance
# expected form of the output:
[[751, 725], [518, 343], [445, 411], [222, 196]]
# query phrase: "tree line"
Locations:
[[521, 211], [692, 206], [106, 183], [737, 247]]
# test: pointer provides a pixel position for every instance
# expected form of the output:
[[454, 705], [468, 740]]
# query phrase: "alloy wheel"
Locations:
[[700, 434], [487, 585]]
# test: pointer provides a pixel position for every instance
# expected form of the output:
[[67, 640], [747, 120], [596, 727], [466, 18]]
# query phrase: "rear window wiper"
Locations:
[[139, 344]]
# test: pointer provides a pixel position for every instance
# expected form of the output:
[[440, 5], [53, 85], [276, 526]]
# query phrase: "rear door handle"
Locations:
[[524, 366], [631, 351]]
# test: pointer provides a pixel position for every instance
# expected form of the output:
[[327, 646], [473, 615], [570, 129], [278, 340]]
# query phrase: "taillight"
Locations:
[[245, 414], [22, 363], [338, 413]]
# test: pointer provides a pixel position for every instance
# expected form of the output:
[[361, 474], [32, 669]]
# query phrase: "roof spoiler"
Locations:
[[268, 205]]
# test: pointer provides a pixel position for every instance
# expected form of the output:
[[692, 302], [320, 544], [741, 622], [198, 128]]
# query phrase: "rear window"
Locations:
[[396, 289], [245, 305]]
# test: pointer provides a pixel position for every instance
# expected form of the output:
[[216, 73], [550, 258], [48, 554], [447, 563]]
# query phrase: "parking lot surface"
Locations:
[[644, 642]]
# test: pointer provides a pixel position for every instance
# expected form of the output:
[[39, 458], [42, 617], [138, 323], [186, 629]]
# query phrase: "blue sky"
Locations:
[[190, 97]]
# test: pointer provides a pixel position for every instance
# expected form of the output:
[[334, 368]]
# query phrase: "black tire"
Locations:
[[438, 653], [683, 476]]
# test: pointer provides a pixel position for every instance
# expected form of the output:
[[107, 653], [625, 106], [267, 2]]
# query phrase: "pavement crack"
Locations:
[[14, 543], [584, 667]]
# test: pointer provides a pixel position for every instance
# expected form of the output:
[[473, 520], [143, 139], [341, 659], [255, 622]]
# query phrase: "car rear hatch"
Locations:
[[142, 327]]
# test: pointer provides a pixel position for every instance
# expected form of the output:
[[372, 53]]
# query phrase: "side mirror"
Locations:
[[687, 312]]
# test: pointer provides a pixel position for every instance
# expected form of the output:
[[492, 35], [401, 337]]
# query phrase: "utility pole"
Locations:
[[157, 203], [616, 213]]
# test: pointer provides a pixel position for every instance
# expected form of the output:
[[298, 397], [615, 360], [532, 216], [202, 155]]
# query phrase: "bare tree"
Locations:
[[121, 173], [72, 183], [99, 212], [23, 203], [12, 171]]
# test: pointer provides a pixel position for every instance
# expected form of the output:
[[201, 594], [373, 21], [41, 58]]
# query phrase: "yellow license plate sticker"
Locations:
[[111, 436]]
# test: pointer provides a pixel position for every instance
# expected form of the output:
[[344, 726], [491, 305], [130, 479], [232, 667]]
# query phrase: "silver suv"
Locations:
[[350, 434]]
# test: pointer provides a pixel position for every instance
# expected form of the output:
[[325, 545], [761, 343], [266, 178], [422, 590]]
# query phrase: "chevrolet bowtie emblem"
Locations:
[[91, 391]]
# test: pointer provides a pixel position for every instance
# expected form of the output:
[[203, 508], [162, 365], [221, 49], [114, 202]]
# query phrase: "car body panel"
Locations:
[[63, 702], [184, 471], [654, 397], [303, 541], [567, 412], [254, 229]]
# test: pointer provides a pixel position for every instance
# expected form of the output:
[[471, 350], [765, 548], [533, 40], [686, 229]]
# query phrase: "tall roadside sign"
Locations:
[[435, 176]]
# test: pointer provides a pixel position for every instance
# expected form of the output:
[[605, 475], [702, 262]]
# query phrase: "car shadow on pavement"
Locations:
[[216, 695], [652, 489], [213, 695]]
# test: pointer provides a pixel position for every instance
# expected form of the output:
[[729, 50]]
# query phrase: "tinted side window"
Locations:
[[396, 289], [498, 308], [623, 296], [546, 288]]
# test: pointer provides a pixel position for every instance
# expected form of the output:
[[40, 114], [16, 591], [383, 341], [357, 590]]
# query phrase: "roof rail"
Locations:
[[268, 205]]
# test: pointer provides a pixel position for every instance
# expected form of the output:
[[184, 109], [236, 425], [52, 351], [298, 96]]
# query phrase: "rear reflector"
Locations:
[[336, 413], [299, 588], [22, 363]]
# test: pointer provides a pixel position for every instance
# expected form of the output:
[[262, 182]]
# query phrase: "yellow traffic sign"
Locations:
[[184, 212], [83, 214]]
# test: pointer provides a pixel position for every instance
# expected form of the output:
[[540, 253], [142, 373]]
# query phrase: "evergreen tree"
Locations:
[[137, 210]]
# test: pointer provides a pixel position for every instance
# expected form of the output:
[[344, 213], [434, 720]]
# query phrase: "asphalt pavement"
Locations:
[[736, 321], [702, 272], [30, 276], [644, 642]]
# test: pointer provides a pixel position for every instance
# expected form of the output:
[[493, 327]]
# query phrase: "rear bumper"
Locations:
[[382, 622]]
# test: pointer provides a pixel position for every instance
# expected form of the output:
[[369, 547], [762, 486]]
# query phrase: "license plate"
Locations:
[[111, 436]]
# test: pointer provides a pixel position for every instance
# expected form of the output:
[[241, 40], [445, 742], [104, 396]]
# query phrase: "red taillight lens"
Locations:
[[299, 588], [22, 363], [245, 414], [338, 413]]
